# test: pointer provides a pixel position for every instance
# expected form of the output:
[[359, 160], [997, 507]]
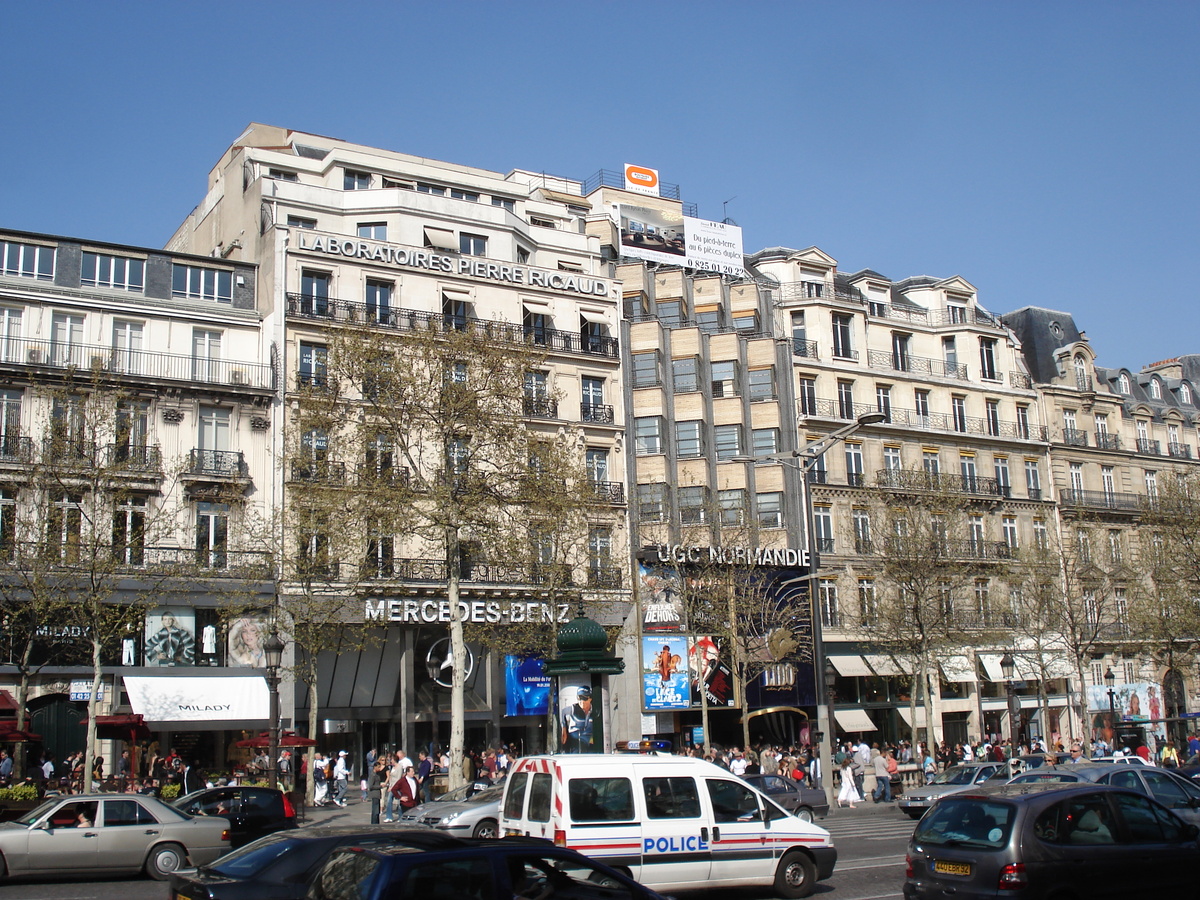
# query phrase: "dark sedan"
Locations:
[[1178, 794], [280, 866], [803, 802], [252, 811]]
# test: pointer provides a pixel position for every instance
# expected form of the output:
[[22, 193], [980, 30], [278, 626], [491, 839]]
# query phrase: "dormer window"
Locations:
[[1123, 383], [1185, 394], [1155, 389], [1082, 381]]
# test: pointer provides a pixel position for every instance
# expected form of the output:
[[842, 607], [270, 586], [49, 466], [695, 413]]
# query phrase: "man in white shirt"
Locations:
[[341, 778], [737, 765]]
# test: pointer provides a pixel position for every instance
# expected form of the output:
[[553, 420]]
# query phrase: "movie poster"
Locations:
[[661, 599], [527, 686], [709, 672], [665, 672], [171, 636]]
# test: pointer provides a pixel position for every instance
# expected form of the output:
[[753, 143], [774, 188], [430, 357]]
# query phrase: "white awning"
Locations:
[[1025, 702], [884, 665], [853, 720], [540, 306], [991, 666], [167, 703], [850, 666], [906, 715], [958, 668], [442, 239], [596, 318]]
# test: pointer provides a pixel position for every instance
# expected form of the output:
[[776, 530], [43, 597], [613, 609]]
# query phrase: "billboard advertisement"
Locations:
[[710, 673], [170, 636], [527, 686], [1138, 702], [665, 682], [641, 180], [581, 730], [670, 237]]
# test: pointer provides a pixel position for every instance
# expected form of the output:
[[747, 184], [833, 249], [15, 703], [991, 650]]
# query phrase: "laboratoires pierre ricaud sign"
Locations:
[[471, 266]]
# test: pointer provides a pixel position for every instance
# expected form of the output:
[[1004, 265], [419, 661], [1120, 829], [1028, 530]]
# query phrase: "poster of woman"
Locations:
[[247, 634], [171, 636], [1136, 702]]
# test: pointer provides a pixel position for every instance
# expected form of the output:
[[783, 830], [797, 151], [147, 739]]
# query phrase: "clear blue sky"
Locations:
[[1045, 151]]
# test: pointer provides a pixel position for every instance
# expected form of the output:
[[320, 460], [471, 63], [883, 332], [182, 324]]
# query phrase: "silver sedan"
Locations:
[[109, 833]]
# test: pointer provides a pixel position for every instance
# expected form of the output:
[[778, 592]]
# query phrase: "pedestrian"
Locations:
[[406, 790], [375, 788], [929, 767], [848, 794], [320, 782], [341, 779], [883, 782], [425, 775], [859, 760], [394, 773]]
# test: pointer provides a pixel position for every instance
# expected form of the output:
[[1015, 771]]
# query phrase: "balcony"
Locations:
[[541, 407], [134, 458], [321, 570], [216, 474], [63, 451], [965, 316], [1020, 380], [1073, 437], [107, 363], [855, 479], [1103, 500], [607, 491], [917, 365], [845, 353], [597, 413], [317, 471], [806, 349], [954, 549], [15, 449], [820, 408], [604, 577], [1179, 451], [824, 544], [1147, 447], [329, 309], [380, 475], [936, 482], [1106, 441]]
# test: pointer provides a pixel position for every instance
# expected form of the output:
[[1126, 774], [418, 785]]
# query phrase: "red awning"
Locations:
[[119, 727], [8, 703]]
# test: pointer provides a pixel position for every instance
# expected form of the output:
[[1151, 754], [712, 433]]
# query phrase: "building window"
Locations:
[[959, 407], [1155, 389], [688, 442], [670, 312], [921, 401], [842, 331], [1003, 479], [596, 462], [1009, 528], [27, 260], [469, 196], [504, 203], [10, 424], [770, 509], [458, 456], [983, 601], [375, 231], [931, 462], [353, 180], [883, 401], [600, 555], [823, 528], [732, 504], [381, 552], [1185, 394], [845, 391], [127, 346], [1151, 484], [728, 441], [457, 310], [1023, 422], [746, 323], [1083, 547], [724, 379], [8, 518], [975, 534], [379, 301], [301, 222], [64, 526], [132, 432], [807, 396], [992, 411], [827, 593], [206, 355], [764, 441], [1108, 481], [282, 175], [892, 460], [693, 505], [118, 272], [472, 244], [648, 435], [966, 467], [434, 189], [987, 358], [900, 354], [592, 393], [652, 502], [645, 369], [854, 465], [1033, 479], [200, 283], [1041, 536], [762, 384], [709, 319], [11, 347], [862, 530], [314, 293], [685, 374], [314, 364], [129, 531], [958, 314], [950, 355], [1123, 383], [868, 602]]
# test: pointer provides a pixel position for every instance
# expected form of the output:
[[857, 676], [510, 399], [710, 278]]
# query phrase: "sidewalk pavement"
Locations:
[[355, 812], [866, 807]]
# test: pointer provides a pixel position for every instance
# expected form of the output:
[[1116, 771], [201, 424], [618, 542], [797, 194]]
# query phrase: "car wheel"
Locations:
[[164, 860], [804, 814], [486, 829], [796, 876]]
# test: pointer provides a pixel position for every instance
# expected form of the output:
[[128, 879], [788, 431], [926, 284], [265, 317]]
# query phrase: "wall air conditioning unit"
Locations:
[[34, 356], [239, 376]]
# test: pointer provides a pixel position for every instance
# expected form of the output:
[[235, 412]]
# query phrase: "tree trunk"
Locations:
[[89, 753], [313, 711], [458, 655], [1082, 712]]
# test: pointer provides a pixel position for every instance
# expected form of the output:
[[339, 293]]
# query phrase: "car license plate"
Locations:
[[945, 867]]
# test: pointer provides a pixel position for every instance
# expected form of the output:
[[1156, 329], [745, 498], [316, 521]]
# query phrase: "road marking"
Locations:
[[899, 861]]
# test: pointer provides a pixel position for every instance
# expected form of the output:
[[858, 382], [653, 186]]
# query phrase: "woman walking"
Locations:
[[848, 795]]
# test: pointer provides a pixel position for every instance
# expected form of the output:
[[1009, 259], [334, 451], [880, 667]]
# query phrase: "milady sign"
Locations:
[[412, 258], [477, 612]]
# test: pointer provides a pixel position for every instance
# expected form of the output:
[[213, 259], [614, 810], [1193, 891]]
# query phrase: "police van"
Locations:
[[671, 822]]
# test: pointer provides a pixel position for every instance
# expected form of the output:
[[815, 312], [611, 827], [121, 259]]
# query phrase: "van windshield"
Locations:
[[966, 822]]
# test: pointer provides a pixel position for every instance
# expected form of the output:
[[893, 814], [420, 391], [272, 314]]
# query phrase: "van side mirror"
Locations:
[[765, 814]]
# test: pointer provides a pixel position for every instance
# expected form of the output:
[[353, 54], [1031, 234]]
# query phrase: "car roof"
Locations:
[[507, 844], [413, 834], [1029, 792]]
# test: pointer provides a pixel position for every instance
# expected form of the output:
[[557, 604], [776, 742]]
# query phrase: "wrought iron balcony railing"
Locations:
[[227, 463], [607, 491], [541, 407], [919, 480], [351, 312], [130, 457], [1107, 441], [1179, 451], [1148, 447], [598, 413], [604, 577], [807, 349], [1104, 500], [318, 471], [15, 449], [1073, 437], [822, 408], [919, 365]]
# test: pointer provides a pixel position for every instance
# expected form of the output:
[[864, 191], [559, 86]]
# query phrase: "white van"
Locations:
[[671, 822]]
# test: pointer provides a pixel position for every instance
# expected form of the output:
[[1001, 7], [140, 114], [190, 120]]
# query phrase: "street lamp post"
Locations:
[[273, 652], [1008, 668], [1109, 681], [805, 458], [433, 667]]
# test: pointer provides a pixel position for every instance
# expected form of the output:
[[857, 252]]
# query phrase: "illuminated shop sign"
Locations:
[[477, 612], [473, 267], [729, 556]]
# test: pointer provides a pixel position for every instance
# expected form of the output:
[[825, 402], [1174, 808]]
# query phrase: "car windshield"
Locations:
[[36, 813], [490, 795], [956, 775], [966, 822], [183, 801], [253, 858], [456, 795]]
